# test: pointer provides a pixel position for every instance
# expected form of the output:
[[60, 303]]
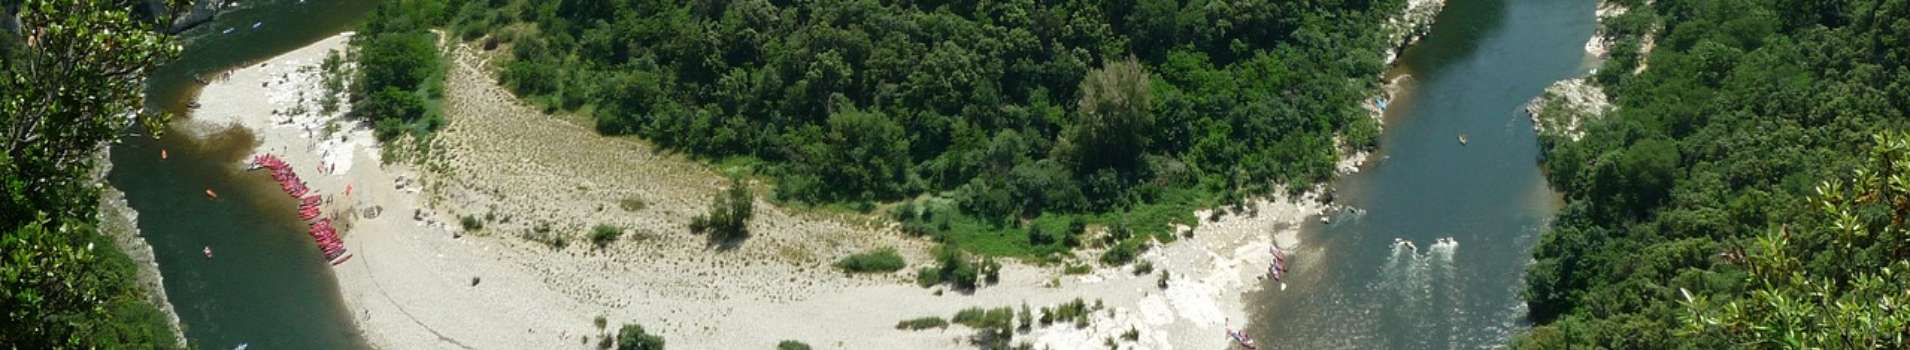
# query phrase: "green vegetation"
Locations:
[[632, 337], [922, 323], [604, 234], [1075, 311], [1694, 218], [400, 79], [995, 328], [955, 267], [791, 345], [64, 94], [727, 222], [881, 260], [998, 113], [1853, 301], [470, 223]]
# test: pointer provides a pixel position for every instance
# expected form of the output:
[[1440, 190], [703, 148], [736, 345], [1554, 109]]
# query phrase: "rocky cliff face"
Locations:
[[202, 12]]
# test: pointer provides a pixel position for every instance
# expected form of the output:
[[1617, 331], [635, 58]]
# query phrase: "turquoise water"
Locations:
[[1352, 288], [267, 286]]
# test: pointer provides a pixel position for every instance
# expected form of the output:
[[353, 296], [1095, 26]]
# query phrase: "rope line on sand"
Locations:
[[380, 287]]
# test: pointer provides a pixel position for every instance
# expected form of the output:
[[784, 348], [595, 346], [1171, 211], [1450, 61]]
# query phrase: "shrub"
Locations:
[[471, 223], [729, 214], [922, 323], [879, 260], [791, 345], [632, 337], [604, 234], [1164, 278], [991, 270], [928, 276], [1121, 253], [995, 326], [1143, 267]]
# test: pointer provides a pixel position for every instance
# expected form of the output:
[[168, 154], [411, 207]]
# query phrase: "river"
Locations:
[[267, 286], [1350, 286]]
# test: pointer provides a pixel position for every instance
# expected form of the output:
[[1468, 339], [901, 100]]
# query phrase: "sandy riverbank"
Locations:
[[411, 285]]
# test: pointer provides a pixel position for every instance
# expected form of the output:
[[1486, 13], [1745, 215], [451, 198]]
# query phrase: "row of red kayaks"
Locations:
[[321, 231]]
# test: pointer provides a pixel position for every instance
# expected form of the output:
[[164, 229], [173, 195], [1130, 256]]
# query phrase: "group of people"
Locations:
[[308, 207]]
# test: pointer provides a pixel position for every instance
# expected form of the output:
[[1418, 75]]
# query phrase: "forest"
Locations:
[[994, 125], [71, 72], [1746, 192]]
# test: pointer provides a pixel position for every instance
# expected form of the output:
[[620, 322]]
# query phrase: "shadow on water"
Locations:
[[1352, 287], [1461, 27], [266, 285]]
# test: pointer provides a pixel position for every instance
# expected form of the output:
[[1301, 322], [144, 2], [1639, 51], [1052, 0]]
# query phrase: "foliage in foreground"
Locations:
[[1687, 186], [68, 81], [1850, 304]]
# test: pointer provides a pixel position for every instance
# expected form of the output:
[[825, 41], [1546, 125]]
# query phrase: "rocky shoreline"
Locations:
[[120, 222], [1407, 29], [1566, 105]]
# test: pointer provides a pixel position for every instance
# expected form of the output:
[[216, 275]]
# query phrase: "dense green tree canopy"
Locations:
[[1712, 150], [1010, 109], [70, 81], [400, 70]]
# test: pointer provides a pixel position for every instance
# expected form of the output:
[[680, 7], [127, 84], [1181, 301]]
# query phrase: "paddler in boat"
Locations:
[[207, 251]]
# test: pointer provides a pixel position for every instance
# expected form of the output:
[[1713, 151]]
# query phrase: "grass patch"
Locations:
[[791, 345], [881, 260], [604, 234], [1053, 236], [922, 323]]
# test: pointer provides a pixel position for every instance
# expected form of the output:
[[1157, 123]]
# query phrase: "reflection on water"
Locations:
[[1355, 288]]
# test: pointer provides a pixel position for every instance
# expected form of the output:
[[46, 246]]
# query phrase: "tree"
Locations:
[[728, 218], [633, 337], [1114, 117], [396, 60], [71, 73], [863, 156], [1853, 304]]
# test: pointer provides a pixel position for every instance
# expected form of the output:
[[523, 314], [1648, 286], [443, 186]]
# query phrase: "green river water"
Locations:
[[1351, 287], [267, 285]]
